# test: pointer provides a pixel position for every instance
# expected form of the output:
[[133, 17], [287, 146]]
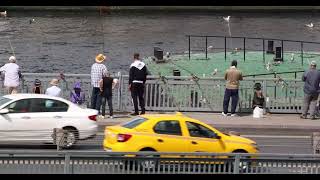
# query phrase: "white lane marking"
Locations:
[[259, 136], [277, 136]]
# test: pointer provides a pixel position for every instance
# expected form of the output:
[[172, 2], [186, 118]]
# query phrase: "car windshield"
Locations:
[[4, 100], [134, 123]]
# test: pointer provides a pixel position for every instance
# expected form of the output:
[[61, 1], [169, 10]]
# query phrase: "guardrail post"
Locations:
[[206, 47], [263, 53], [316, 142], [244, 49], [236, 164], [225, 48], [189, 38], [301, 53], [67, 164]]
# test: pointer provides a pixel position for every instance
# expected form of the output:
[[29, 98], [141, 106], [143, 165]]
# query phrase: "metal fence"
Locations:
[[184, 93], [89, 162]]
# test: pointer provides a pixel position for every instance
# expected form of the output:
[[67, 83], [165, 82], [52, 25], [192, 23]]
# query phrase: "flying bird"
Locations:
[[310, 25], [227, 18], [4, 13]]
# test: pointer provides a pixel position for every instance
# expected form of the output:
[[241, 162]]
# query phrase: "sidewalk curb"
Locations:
[[247, 126]]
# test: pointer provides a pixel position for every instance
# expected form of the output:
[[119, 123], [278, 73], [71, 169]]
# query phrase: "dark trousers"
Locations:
[[310, 100], [103, 102], [137, 91], [234, 94], [95, 99]]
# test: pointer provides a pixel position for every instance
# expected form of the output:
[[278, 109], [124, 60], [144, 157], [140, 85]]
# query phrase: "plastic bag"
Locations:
[[257, 112]]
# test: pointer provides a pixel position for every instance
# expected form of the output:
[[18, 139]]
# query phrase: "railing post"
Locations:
[[301, 53], [189, 38], [236, 164], [67, 163], [206, 47], [244, 49], [263, 53], [119, 91], [225, 48], [282, 49]]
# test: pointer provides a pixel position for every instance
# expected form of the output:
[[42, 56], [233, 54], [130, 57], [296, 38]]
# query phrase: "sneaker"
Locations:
[[234, 115], [101, 117], [111, 117], [223, 114], [142, 112], [314, 117], [303, 116]]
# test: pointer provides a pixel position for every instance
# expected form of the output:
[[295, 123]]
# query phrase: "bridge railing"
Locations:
[[183, 93], [95, 162]]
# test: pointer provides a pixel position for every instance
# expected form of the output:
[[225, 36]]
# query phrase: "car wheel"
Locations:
[[70, 138]]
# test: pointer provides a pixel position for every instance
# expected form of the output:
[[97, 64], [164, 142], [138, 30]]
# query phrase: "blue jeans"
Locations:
[[234, 94], [96, 99]]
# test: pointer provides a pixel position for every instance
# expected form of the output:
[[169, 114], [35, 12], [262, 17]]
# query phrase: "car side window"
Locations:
[[48, 105], [168, 127], [198, 130], [20, 106]]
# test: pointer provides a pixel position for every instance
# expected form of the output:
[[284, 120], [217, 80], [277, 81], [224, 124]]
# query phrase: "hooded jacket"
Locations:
[[138, 72]]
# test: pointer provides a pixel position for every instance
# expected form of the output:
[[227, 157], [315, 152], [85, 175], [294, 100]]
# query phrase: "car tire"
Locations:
[[70, 138]]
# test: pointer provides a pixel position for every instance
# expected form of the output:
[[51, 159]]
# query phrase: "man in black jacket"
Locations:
[[137, 78]]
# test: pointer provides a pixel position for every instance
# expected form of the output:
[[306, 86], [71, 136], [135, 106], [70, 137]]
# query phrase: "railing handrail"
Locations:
[[242, 37]]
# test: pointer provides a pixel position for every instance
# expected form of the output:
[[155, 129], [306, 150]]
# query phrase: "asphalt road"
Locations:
[[268, 140]]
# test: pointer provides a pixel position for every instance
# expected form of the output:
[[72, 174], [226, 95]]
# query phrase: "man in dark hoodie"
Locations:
[[137, 78]]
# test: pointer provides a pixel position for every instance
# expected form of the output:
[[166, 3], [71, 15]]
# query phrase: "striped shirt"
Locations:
[[96, 73]]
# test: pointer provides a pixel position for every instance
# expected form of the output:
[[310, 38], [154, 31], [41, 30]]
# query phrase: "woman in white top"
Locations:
[[54, 90]]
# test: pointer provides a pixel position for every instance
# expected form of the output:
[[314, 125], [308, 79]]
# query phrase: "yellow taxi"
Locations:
[[173, 133]]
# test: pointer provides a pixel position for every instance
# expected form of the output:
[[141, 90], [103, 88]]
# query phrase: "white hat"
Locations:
[[12, 59], [54, 82], [313, 63]]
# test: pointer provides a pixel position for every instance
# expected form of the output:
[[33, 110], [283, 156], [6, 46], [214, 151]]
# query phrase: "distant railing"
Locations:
[[90, 162], [183, 93], [244, 47]]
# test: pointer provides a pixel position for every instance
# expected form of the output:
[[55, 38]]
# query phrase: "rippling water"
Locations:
[[69, 41]]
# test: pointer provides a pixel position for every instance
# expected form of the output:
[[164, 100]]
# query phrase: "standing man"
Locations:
[[233, 77], [137, 78], [97, 70], [11, 75], [311, 90]]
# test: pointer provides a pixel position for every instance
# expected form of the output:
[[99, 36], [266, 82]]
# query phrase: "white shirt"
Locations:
[[53, 91], [11, 74]]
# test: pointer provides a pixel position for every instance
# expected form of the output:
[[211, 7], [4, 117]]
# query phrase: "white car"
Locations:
[[33, 118]]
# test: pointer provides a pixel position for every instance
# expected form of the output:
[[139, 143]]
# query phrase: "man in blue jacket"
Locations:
[[311, 90]]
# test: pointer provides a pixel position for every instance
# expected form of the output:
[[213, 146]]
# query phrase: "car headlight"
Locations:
[[255, 145]]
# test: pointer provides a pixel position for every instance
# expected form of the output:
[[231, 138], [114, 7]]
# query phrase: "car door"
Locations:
[[203, 139], [168, 136], [38, 123]]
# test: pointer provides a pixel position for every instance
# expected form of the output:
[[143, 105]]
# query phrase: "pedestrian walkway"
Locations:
[[272, 121]]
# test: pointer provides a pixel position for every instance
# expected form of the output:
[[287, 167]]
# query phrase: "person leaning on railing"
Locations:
[[311, 90]]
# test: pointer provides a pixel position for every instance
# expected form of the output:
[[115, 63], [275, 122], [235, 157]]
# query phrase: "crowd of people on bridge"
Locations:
[[101, 81], [103, 84]]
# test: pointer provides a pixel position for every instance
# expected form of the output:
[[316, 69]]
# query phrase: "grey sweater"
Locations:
[[311, 78]]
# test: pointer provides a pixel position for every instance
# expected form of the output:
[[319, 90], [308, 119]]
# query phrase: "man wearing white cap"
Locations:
[[11, 75], [311, 90]]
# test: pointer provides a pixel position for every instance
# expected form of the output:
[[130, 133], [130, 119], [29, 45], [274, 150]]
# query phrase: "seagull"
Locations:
[[292, 57], [4, 13], [31, 21], [227, 18], [215, 71], [268, 66], [210, 47], [168, 54], [310, 25]]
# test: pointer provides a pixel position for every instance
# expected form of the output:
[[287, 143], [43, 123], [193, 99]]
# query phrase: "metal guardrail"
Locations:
[[183, 93], [89, 162]]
